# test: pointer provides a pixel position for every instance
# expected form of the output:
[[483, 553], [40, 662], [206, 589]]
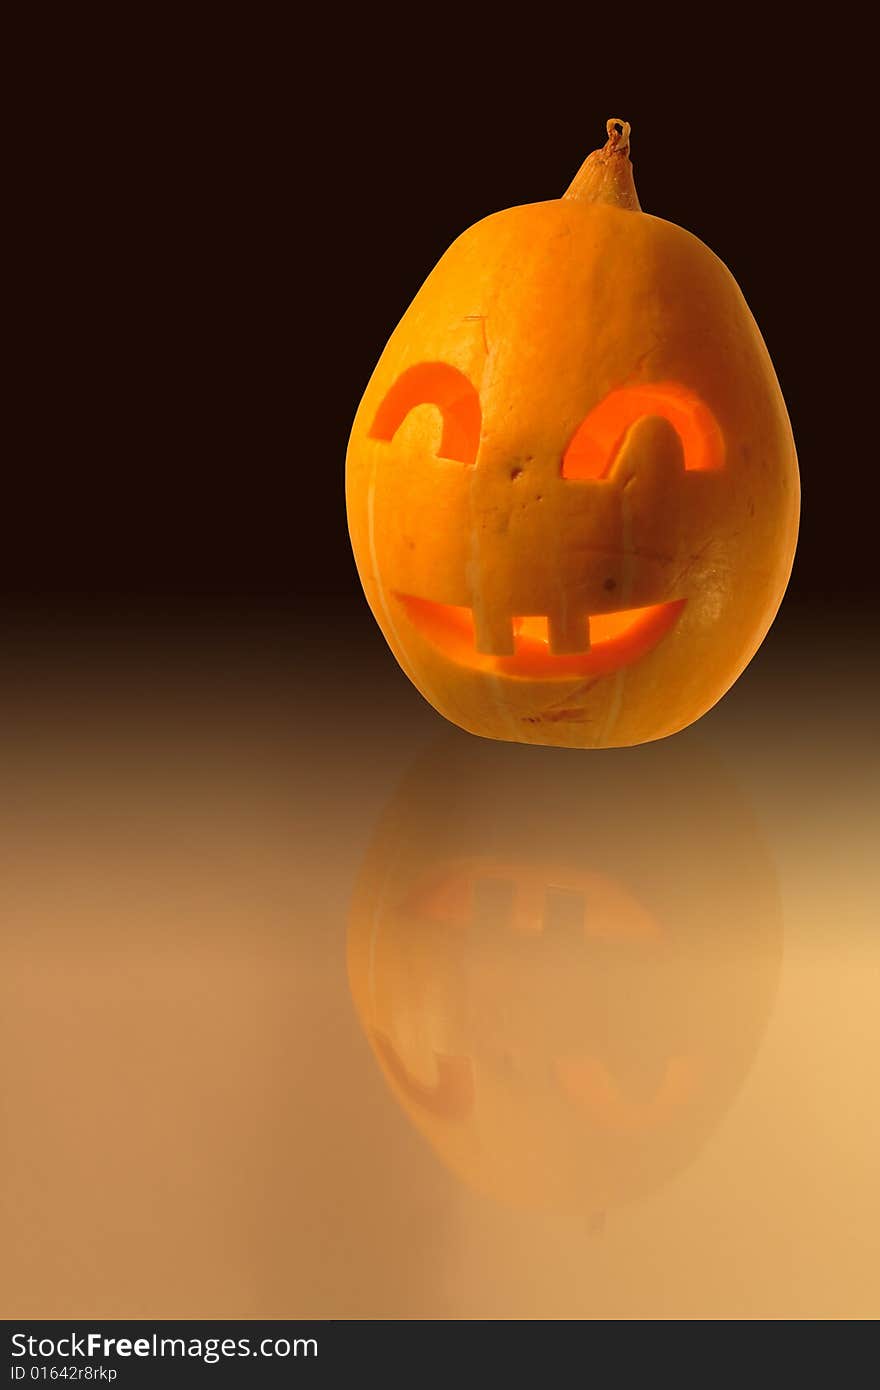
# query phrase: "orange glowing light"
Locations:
[[617, 639], [598, 438], [435, 383]]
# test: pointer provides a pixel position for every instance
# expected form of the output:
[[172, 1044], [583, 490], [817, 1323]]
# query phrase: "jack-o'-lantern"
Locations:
[[564, 976], [572, 486]]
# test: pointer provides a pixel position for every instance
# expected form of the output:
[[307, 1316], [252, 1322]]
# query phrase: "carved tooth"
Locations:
[[528, 907], [493, 633], [569, 633]]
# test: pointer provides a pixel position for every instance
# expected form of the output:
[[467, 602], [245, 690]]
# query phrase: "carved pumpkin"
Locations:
[[563, 979], [572, 487]]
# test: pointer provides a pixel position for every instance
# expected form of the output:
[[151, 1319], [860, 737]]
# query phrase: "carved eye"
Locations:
[[435, 383], [598, 438], [451, 1096]]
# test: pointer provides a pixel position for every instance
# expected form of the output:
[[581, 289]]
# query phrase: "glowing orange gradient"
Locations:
[[617, 639], [435, 383], [598, 438]]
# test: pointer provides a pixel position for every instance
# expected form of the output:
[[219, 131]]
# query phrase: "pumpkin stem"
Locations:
[[606, 176]]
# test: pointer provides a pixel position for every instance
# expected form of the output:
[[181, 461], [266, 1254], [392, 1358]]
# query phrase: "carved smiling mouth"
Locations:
[[608, 641]]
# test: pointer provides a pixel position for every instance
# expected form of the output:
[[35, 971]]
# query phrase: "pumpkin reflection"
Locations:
[[564, 972]]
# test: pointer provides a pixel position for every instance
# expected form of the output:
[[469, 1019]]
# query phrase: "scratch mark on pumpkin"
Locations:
[[618, 552], [691, 563], [643, 356], [563, 707], [581, 690], [481, 319], [553, 716]]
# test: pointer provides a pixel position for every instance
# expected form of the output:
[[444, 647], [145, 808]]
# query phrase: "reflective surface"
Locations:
[[313, 1006], [565, 970]]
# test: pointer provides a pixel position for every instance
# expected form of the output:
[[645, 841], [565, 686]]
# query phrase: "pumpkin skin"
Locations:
[[576, 427], [565, 981]]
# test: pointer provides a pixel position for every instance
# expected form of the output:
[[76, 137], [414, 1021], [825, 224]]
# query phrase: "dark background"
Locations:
[[220, 227]]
